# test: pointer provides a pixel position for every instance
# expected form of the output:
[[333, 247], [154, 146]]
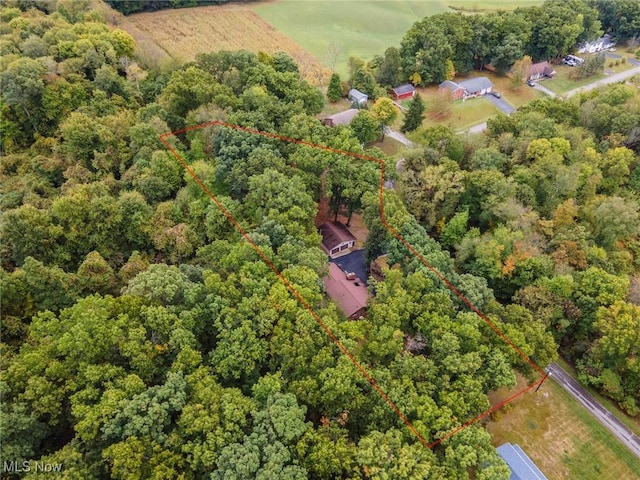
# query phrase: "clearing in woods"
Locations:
[[182, 33], [560, 436]]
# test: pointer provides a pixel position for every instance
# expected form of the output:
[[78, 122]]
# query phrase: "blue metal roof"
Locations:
[[522, 468]]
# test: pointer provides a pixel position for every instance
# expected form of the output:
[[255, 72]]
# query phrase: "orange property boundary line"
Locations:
[[306, 305]]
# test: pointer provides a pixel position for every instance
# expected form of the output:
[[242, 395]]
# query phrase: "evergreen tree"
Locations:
[[415, 115], [334, 92]]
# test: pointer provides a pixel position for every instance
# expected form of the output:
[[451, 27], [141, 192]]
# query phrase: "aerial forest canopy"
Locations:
[[143, 337]]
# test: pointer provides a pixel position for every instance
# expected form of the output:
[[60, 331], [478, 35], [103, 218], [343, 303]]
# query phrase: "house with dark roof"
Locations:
[[340, 118], [540, 70], [603, 43], [403, 92], [349, 292], [522, 468], [357, 98], [457, 92], [472, 87], [336, 238]]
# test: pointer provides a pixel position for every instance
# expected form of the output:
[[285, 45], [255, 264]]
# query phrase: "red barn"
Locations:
[[403, 92]]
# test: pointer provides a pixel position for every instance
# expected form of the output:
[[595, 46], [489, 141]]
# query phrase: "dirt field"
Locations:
[[183, 33], [560, 436]]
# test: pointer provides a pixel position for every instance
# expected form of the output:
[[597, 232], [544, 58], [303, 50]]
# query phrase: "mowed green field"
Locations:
[[359, 28], [560, 436]]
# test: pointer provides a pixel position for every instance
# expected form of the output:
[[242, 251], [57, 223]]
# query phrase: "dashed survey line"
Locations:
[[305, 304]]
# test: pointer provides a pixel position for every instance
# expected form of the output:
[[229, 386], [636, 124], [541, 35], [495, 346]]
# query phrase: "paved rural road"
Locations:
[[618, 77], [604, 416]]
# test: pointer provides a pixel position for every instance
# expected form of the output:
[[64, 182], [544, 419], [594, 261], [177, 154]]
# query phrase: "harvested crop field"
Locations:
[[183, 33]]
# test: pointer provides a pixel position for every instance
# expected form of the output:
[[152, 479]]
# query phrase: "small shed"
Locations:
[[349, 292], [457, 92], [336, 238], [357, 98], [403, 92], [522, 468], [340, 118], [540, 70]]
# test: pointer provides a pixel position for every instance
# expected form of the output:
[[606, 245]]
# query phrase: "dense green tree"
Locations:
[[415, 114], [365, 127], [425, 51], [389, 72], [385, 112], [334, 90]]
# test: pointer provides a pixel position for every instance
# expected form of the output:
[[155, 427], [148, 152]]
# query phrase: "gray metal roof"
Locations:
[[450, 85], [357, 95], [522, 468], [343, 118], [476, 84]]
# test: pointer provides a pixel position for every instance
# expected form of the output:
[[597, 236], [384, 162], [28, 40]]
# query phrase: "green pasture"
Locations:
[[358, 28]]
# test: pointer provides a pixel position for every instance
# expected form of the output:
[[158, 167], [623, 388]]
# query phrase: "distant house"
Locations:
[[540, 70], [357, 98], [336, 238], [522, 468], [603, 43], [340, 118], [472, 87], [403, 92], [349, 293]]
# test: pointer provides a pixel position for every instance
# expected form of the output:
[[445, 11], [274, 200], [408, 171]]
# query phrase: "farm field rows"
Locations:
[[560, 436], [183, 33]]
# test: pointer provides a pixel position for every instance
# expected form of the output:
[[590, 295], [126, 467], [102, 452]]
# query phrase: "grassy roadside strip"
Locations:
[[590, 464], [560, 436], [631, 423]]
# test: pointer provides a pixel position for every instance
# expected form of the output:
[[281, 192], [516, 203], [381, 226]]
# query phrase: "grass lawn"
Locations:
[[388, 146], [523, 95], [563, 82], [631, 423], [331, 108], [561, 437], [355, 28], [464, 114]]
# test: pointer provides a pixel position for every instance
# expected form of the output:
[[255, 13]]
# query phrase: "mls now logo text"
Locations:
[[30, 466]]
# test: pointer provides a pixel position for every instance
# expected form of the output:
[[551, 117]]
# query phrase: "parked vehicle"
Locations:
[[496, 94], [574, 60], [531, 83]]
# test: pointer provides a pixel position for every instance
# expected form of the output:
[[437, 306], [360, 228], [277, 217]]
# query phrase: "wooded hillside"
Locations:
[[142, 337]]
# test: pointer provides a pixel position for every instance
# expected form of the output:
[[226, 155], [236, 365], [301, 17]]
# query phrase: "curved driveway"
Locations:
[[604, 416]]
